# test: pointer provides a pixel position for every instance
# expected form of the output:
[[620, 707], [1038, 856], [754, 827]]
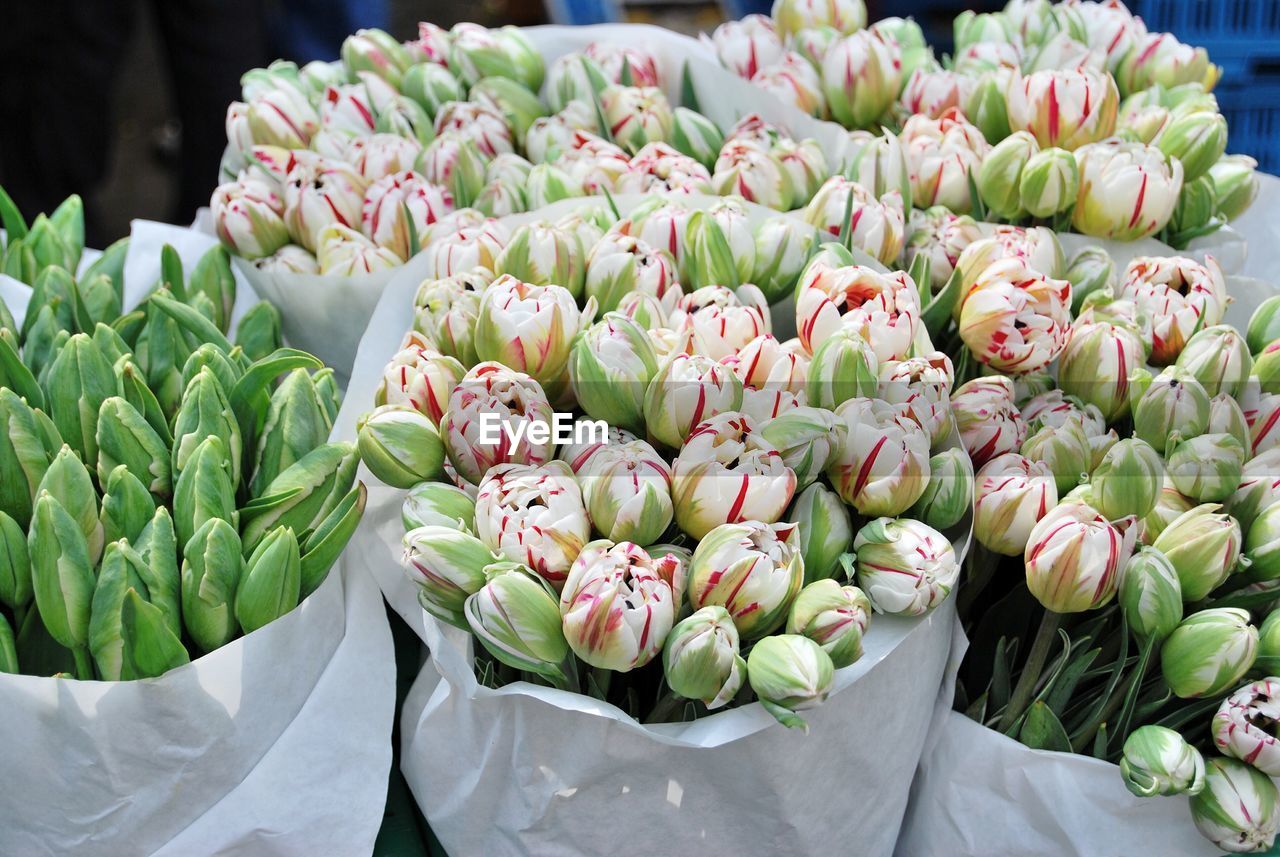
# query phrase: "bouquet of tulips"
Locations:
[[161, 492], [1124, 456], [720, 512], [1058, 114]]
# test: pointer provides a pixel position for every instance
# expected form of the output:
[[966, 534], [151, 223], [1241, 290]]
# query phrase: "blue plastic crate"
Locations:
[[1252, 111]]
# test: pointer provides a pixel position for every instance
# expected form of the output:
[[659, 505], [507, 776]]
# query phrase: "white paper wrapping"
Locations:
[[1260, 228], [532, 770], [275, 744], [1226, 246]]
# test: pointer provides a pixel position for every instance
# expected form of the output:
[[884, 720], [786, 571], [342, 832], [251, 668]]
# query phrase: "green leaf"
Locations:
[[171, 272], [937, 313], [1063, 689], [688, 96], [1041, 730], [18, 377], [323, 547], [192, 321], [15, 227], [1001, 682]]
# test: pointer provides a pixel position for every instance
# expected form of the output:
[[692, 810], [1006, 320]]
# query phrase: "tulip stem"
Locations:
[[1025, 689], [84, 666], [668, 705]]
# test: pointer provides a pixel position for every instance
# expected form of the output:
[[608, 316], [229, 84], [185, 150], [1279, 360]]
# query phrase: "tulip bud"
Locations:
[[125, 439], [636, 115], [68, 481], [62, 574], [843, 16], [1244, 726], [833, 616], [1150, 595], [1096, 365], [719, 247], [212, 565], [515, 615], [861, 77], [478, 52], [783, 248], [80, 380], [1203, 546], [617, 607], [1208, 652], [1065, 449], [296, 423], [949, 495], [1207, 468], [1239, 808], [1074, 556], [1127, 190], [1128, 480], [610, 368], [1013, 319], [999, 179], [529, 328], [1259, 488], [1269, 644], [807, 438], [1091, 270], [205, 411], [1219, 359], [700, 658], [248, 216], [989, 423], [1175, 402], [720, 321], [789, 673], [825, 531], [1067, 108], [1182, 297], [844, 367], [448, 567], [627, 491], [15, 565], [904, 566], [319, 192], [621, 264], [883, 308], [533, 514], [1196, 139], [1049, 182], [345, 252], [1159, 761], [752, 569], [205, 489], [375, 51], [1011, 495], [1235, 185], [687, 390], [883, 466], [400, 446]]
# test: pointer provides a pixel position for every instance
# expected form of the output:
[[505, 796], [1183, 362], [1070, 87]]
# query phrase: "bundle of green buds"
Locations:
[[352, 167], [162, 488], [667, 507], [1128, 468]]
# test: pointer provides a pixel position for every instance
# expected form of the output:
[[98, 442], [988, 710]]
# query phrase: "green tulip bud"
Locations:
[[100, 299], [271, 583], [1169, 506], [516, 102], [1203, 546], [988, 109], [1097, 366], [8, 651], [1196, 139], [1174, 402], [61, 573], [80, 380], [1262, 544], [1150, 595], [259, 331], [127, 506], [24, 455], [205, 489], [628, 495], [134, 390], [542, 255], [610, 367], [120, 573], [55, 288], [68, 480], [448, 566], [205, 411], [701, 660], [789, 673], [1264, 325], [1065, 449], [1128, 480], [212, 566], [1207, 468], [1235, 185], [783, 248], [1193, 212], [1266, 366], [439, 505], [1239, 808], [1227, 417], [516, 617], [825, 530], [15, 566], [696, 136], [833, 616], [1209, 652], [151, 648], [1091, 270], [216, 361], [43, 344], [110, 342], [1268, 661], [296, 423], [1049, 182], [303, 495], [212, 277], [1218, 358], [719, 249], [126, 439], [843, 367], [999, 179], [1159, 761], [808, 439], [1259, 488], [158, 545], [430, 85], [949, 494], [549, 184], [400, 446]]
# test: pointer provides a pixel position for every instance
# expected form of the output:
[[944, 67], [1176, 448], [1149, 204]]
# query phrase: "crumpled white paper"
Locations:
[[532, 770], [1260, 228], [275, 744], [1226, 246]]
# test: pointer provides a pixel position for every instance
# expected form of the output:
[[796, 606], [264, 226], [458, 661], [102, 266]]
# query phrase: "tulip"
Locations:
[[79, 381], [752, 569], [879, 164], [833, 616], [942, 154], [627, 491], [719, 320], [824, 529], [882, 468], [319, 192], [1206, 468], [61, 573], [529, 328], [1159, 761], [533, 514], [1128, 480], [400, 446], [1239, 809], [453, 161], [710, 261], [1066, 108], [205, 489], [518, 403], [1235, 184], [1174, 403], [620, 264], [1159, 58], [1049, 183], [747, 45], [931, 93], [435, 504], [517, 106], [445, 312], [883, 308], [1074, 556], [1169, 506], [1244, 726], [1209, 652], [950, 494], [636, 115], [205, 411], [610, 368], [919, 388], [807, 438], [942, 237], [478, 53], [346, 252], [420, 377], [212, 566], [125, 439], [701, 659], [696, 136], [661, 168], [1096, 364], [989, 422], [1065, 448], [844, 16], [874, 226], [431, 85], [249, 218], [281, 116], [749, 169], [794, 81], [1203, 546], [516, 617], [1127, 190], [999, 178], [448, 566], [289, 259], [399, 209], [1011, 495], [1259, 488], [783, 248], [687, 390], [375, 51], [1268, 644], [727, 472], [380, 155], [789, 673], [1197, 140], [1262, 416], [1150, 595], [612, 58], [904, 566], [861, 77], [617, 606], [348, 112], [1015, 320], [544, 255], [1219, 359]]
